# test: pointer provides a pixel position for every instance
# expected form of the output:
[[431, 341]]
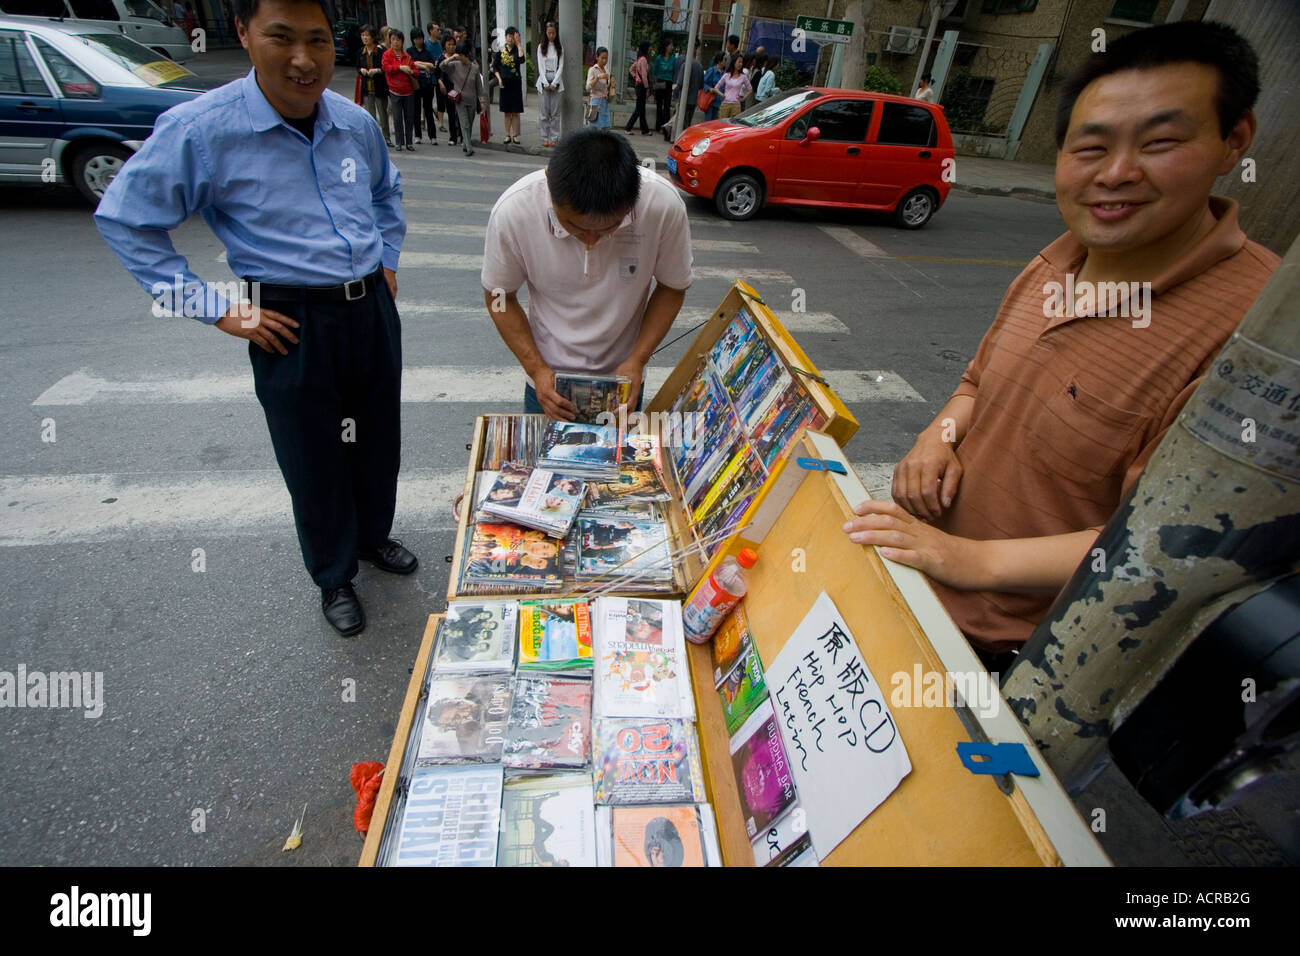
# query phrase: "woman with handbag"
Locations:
[[465, 92], [640, 74], [508, 68], [712, 76], [600, 86], [665, 66], [374, 88], [550, 85]]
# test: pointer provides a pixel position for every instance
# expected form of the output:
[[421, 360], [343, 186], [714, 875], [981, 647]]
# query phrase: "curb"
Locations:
[[1014, 192]]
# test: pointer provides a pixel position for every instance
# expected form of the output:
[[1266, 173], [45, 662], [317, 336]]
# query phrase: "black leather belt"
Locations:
[[350, 291]]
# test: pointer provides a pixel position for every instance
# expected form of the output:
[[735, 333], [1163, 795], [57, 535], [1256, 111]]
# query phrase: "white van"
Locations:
[[142, 20]]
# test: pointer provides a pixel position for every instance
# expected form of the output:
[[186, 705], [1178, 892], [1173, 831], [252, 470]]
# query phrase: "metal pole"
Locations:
[[925, 48], [680, 117], [1214, 519], [570, 32]]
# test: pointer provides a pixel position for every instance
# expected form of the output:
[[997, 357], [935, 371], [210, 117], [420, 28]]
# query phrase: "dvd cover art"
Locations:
[[647, 762], [477, 637], [742, 690], [451, 818], [624, 547], [585, 450], [657, 836], [640, 662], [639, 483], [502, 553], [464, 720], [731, 639], [534, 498], [762, 774], [548, 821], [555, 636], [550, 724], [593, 395]]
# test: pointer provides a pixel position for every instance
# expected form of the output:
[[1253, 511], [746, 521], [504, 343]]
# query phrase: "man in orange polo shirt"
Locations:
[[1097, 345]]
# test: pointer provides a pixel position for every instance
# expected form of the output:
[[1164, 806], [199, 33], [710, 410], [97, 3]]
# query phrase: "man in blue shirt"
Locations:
[[297, 184]]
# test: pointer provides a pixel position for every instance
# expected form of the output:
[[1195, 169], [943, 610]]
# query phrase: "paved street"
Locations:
[[225, 689]]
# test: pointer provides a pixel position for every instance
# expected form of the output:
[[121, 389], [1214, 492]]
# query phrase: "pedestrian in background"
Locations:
[[925, 91], [767, 85], [712, 76], [694, 84], [426, 86], [465, 89], [399, 71], [508, 67], [734, 87], [663, 70], [370, 67], [550, 84], [444, 87], [639, 71], [439, 92], [600, 86], [259, 160]]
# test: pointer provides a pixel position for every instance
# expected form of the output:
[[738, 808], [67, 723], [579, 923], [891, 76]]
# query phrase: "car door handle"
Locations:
[[853, 150], [34, 108], [925, 154]]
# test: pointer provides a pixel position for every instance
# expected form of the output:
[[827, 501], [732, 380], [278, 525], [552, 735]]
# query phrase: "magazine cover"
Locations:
[[548, 821], [593, 395], [762, 774], [731, 639], [534, 498], [586, 450], [657, 836], [640, 660], [477, 637], [464, 720], [550, 724], [508, 553], [451, 818], [555, 636], [743, 689], [642, 761]]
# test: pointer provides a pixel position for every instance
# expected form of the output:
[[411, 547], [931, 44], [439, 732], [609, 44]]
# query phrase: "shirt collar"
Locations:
[[1066, 253], [263, 115]]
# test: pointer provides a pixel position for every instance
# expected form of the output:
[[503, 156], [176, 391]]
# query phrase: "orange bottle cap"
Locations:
[[747, 558]]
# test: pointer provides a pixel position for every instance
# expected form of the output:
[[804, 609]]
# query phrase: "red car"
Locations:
[[821, 147]]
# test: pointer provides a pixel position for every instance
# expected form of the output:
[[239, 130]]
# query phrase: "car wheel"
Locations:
[[94, 167], [915, 209], [740, 197]]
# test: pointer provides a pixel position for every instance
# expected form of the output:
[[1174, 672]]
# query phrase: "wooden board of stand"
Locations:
[[840, 424]]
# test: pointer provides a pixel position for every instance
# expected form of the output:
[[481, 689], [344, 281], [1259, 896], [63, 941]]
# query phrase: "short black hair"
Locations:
[[594, 172], [733, 39], [245, 10], [1186, 41], [394, 32], [719, 58]]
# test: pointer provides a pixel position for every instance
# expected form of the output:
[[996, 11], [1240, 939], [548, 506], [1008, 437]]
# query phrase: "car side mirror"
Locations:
[[814, 133]]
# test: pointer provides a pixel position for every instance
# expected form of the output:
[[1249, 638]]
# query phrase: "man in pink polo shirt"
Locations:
[[605, 249]]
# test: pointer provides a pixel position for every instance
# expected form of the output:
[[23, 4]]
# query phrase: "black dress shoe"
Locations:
[[343, 610], [391, 557]]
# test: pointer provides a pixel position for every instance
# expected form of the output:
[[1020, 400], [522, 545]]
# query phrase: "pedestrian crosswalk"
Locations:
[[443, 248]]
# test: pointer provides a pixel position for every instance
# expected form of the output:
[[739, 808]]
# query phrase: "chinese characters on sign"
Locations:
[[841, 740]]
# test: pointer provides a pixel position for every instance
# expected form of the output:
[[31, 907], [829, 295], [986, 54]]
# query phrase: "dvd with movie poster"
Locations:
[[659, 836], [451, 818], [548, 821], [550, 724], [476, 637], [464, 720]]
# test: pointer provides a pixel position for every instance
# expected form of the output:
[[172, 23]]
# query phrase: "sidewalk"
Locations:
[[975, 174]]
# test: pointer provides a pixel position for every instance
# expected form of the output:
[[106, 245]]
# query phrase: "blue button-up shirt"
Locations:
[[288, 212]]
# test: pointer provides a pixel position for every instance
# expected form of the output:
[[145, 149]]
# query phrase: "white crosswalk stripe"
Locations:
[[793, 321], [407, 203], [421, 384], [854, 242], [65, 509]]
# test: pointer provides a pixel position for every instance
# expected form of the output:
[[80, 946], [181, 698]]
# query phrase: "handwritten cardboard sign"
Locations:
[[840, 739]]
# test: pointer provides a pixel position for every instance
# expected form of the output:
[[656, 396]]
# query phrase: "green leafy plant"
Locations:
[[787, 76], [880, 80], [964, 103]]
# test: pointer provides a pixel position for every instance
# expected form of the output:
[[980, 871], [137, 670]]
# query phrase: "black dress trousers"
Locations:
[[333, 407]]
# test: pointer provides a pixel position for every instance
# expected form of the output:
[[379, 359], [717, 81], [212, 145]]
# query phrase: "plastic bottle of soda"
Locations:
[[715, 596]]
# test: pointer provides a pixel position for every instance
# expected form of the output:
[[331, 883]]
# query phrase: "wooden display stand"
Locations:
[[839, 423], [941, 813]]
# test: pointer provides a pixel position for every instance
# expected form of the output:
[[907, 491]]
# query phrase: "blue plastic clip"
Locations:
[[818, 464], [999, 758]]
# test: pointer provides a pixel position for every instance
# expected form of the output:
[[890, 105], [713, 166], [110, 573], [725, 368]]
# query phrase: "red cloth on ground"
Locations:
[[366, 778]]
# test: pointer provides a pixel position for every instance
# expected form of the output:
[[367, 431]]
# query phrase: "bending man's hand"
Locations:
[[553, 403], [263, 327], [634, 370], [926, 480], [901, 537]]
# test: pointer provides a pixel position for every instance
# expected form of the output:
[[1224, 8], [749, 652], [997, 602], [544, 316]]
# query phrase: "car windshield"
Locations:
[[768, 114], [140, 60]]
